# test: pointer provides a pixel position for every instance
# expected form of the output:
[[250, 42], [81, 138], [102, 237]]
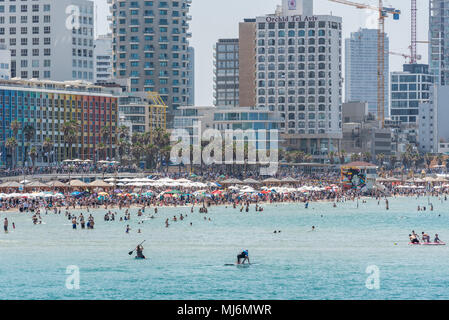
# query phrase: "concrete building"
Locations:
[[103, 58], [439, 41], [361, 69], [354, 111], [225, 118], [191, 80], [247, 64], [403, 135], [433, 127], [46, 106], [298, 61], [361, 132], [226, 72], [140, 113], [151, 47], [5, 63], [408, 89], [50, 40]]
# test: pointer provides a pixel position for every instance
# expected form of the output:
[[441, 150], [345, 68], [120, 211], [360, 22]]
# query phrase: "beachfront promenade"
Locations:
[[66, 176]]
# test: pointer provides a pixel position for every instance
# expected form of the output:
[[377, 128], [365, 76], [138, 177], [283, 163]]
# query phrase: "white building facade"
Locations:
[[409, 88], [299, 75], [103, 58], [50, 40], [5, 63], [433, 129]]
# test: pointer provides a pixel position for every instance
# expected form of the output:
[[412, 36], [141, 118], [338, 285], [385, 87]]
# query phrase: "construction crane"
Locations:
[[406, 56], [384, 12], [413, 50]]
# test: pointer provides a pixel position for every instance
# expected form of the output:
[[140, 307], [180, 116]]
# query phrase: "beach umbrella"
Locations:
[[76, 193], [104, 194], [216, 192]]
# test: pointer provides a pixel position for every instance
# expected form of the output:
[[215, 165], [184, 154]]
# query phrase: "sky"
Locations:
[[215, 19]]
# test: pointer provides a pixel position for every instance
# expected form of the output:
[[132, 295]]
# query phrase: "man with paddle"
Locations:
[[139, 251]]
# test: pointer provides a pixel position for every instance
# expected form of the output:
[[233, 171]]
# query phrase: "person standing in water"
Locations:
[[244, 255], [5, 225], [139, 252]]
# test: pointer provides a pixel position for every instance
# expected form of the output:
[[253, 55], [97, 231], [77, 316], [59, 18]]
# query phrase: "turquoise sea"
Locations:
[[188, 262]]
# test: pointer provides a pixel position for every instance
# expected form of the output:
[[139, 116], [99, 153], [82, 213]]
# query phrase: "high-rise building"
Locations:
[[46, 106], [298, 62], [247, 64], [50, 40], [191, 80], [433, 114], [408, 89], [361, 69], [5, 63], [150, 46], [439, 41], [226, 73], [103, 58]]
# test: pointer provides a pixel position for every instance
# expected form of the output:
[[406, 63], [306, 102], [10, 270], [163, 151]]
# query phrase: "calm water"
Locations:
[[188, 262]]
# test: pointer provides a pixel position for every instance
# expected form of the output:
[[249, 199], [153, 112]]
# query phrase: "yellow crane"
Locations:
[[384, 12]]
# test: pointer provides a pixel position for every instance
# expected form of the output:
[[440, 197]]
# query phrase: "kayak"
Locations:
[[428, 244]]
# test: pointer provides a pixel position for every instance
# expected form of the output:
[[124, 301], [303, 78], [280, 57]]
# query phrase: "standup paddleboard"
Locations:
[[428, 244]]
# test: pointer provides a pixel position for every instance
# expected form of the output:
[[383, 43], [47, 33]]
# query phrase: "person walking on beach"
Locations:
[[5, 225]]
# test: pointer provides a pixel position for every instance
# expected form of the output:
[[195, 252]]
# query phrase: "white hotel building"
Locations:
[[299, 75], [49, 39]]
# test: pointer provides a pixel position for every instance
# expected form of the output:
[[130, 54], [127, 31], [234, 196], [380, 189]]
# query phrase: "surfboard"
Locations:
[[428, 244]]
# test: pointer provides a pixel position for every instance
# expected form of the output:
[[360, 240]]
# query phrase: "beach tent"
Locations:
[[251, 181], [37, 184], [99, 184], [77, 183], [271, 180], [289, 180], [11, 184], [57, 184], [232, 181]]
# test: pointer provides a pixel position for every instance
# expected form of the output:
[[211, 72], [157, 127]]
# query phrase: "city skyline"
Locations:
[[226, 25]]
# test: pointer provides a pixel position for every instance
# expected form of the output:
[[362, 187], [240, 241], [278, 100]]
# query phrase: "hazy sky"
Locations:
[[214, 19]]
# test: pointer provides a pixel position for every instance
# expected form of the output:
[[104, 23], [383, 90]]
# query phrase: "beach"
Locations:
[[187, 261]]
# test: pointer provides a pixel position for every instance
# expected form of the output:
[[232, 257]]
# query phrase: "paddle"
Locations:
[[131, 252]]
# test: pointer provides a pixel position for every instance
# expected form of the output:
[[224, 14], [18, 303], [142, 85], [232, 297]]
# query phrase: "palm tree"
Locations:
[[393, 160], [342, 156], [106, 134], [440, 159], [102, 148], [15, 127], [122, 132], [380, 158], [70, 130], [367, 156], [48, 146], [428, 158], [12, 144], [136, 152], [332, 157], [29, 133], [123, 148], [355, 157], [33, 155]]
